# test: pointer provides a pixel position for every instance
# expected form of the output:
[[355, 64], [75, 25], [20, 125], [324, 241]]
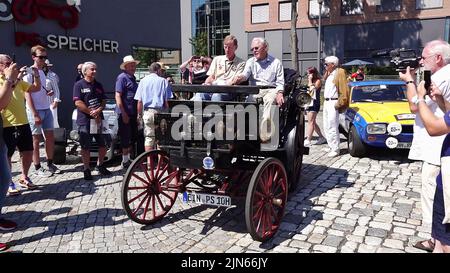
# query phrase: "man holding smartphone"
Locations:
[[435, 56]]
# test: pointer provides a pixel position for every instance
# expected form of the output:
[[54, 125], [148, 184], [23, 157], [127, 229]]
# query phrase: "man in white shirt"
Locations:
[[40, 115], [330, 112], [264, 70], [224, 68], [435, 56]]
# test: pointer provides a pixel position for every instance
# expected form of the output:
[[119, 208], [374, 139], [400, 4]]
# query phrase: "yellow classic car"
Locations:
[[378, 117]]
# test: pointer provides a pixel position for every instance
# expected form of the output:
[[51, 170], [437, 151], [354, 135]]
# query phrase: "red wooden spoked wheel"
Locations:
[[266, 199], [148, 188]]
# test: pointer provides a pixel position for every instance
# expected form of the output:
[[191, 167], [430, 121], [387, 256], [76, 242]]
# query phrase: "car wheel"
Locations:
[[356, 147]]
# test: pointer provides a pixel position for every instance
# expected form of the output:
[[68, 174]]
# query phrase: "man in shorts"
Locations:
[[152, 95], [17, 132], [39, 114], [89, 98]]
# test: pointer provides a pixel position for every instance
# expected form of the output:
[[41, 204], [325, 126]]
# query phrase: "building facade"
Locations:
[[102, 31], [214, 19], [351, 29]]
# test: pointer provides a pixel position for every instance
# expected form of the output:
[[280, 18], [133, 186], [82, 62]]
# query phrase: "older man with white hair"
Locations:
[[264, 70], [90, 100], [424, 147], [336, 100]]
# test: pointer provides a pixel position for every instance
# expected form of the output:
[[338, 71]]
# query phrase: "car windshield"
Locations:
[[379, 93]]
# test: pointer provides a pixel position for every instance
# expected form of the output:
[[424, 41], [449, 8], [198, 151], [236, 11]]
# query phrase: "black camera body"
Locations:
[[401, 58]]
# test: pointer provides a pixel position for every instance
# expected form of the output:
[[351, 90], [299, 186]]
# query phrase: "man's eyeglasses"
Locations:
[[41, 57], [429, 56], [255, 48], [7, 64]]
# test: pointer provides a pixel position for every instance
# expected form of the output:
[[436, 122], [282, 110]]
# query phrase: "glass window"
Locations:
[[284, 11], [314, 9], [260, 13], [428, 4], [210, 22], [351, 7], [389, 5]]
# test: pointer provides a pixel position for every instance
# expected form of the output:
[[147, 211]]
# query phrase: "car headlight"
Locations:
[[376, 129]]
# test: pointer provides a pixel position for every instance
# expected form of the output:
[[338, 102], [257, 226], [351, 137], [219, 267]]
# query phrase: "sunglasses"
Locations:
[[41, 57]]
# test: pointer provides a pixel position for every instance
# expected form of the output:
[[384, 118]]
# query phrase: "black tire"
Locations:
[[154, 190], [59, 155], [266, 199], [356, 147], [294, 153]]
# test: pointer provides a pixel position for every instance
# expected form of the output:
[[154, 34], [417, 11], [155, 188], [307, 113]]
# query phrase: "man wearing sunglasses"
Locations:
[[40, 115], [264, 70]]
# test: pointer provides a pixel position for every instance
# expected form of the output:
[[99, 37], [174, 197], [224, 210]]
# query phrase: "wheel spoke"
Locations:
[[146, 207], [140, 179], [159, 176], [170, 175], [138, 196], [149, 178], [168, 196], [153, 207], [140, 204], [159, 201]]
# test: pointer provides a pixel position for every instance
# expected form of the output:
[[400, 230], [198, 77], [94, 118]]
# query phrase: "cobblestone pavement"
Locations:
[[348, 205]]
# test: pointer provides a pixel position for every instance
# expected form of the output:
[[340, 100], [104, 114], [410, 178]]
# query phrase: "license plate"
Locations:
[[207, 199], [403, 145]]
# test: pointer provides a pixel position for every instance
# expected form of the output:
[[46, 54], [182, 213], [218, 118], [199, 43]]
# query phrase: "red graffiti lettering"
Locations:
[[30, 39], [27, 12]]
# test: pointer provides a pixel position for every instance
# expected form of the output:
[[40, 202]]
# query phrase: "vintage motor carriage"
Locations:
[[215, 171]]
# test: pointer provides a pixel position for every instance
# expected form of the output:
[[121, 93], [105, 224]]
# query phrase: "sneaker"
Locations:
[[53, 169], [3, 247], [12, 189], [125, 165], [102, 170], [333, 154], [27, 184], [306, 143], [320, 141], [43, 172], [87, 174], [7, 225]]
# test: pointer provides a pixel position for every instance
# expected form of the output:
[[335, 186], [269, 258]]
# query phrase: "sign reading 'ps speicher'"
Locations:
[[66, 15]]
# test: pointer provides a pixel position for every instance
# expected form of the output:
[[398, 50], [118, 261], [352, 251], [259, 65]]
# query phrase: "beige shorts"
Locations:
[[149, 127]]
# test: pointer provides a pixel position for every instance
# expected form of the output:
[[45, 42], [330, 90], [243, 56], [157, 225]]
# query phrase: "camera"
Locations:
[[401, 58]]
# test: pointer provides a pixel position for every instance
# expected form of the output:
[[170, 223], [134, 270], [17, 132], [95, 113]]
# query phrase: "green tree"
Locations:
[[200, 44]]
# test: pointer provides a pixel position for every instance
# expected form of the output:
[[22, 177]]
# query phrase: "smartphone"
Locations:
[[14, 58], [427, 79]]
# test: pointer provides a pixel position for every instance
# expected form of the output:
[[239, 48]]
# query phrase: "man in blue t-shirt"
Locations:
[[89, 98], [126, 107]]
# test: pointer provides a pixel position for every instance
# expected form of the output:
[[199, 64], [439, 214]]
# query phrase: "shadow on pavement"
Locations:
[[68, 224], [301, 208]]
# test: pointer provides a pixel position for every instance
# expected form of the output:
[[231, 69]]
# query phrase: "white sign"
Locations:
[[391, 143], [81, 44], [394, 128]]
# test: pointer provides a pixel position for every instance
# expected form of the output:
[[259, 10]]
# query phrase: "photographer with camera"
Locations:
[[435, 56]]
